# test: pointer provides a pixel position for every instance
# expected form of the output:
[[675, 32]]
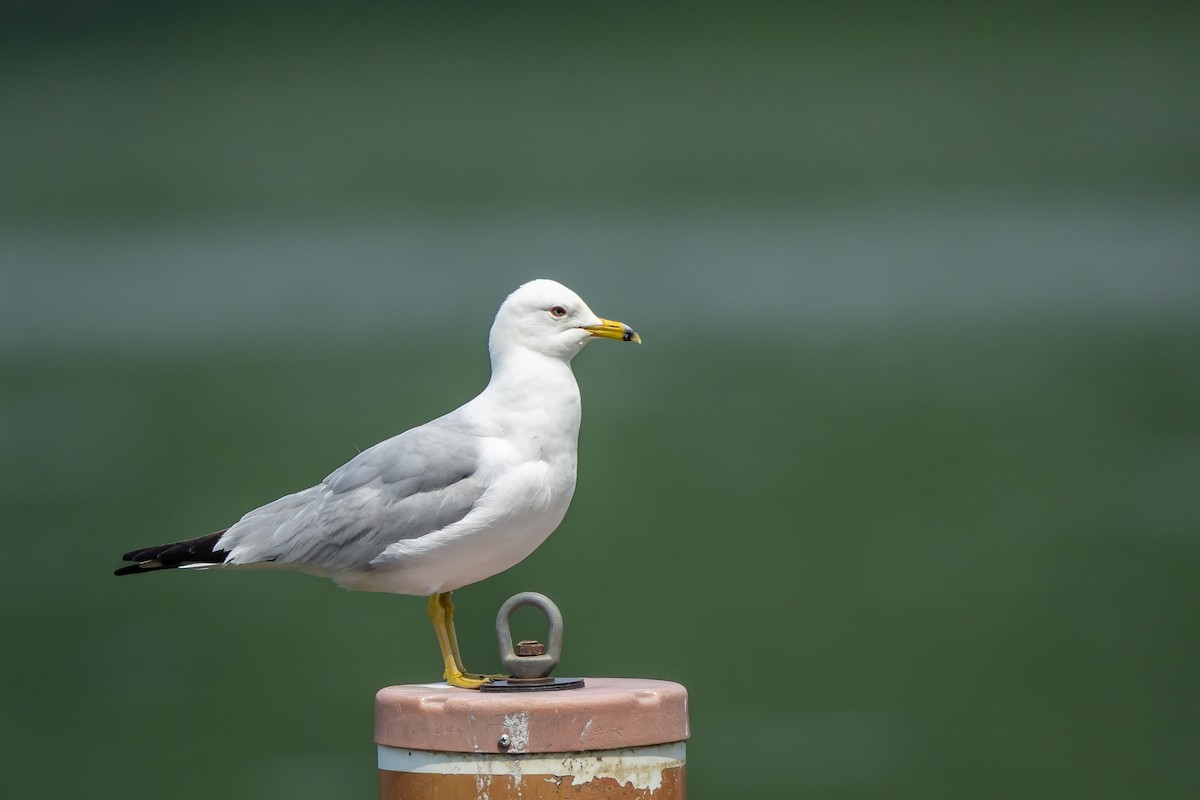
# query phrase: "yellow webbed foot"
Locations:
[[485, 677], [470, 680]]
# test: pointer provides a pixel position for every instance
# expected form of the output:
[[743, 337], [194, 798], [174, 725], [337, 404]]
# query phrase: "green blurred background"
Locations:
[[904, 484]]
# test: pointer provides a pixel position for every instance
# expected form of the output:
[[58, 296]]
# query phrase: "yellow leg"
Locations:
[[441, 614], [448, 610]]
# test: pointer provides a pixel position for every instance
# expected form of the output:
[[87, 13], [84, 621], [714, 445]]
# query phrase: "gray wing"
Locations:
[[402, 488]]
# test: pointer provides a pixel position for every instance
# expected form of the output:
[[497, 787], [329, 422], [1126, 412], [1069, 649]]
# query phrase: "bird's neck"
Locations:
[[525, 373], [533, 386]]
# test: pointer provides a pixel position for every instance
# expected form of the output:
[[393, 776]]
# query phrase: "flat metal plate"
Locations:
[[558, 684]]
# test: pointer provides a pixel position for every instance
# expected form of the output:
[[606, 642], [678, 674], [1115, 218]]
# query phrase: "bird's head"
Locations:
[[548, 318]]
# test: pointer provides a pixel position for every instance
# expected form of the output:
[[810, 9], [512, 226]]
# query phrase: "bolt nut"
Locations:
[[530, 647], [504, 742]]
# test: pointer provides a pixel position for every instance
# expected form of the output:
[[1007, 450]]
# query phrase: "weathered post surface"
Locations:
[[614, 738]]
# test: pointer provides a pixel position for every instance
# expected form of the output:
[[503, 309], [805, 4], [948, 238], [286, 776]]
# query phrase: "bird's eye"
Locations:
[[558, 312]]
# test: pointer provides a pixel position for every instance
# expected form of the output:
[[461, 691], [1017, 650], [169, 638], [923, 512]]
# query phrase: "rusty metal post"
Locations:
[[615, 738]]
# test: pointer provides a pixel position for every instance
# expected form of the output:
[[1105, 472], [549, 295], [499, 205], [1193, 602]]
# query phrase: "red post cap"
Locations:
[[606, 714]]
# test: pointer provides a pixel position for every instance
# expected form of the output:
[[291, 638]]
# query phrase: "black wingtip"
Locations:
[[201, 550]]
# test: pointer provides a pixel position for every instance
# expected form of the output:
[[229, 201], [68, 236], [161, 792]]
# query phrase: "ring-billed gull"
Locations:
[[445, 504]]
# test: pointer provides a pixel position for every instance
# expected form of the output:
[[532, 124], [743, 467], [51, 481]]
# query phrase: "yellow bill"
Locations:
[[609, 329]]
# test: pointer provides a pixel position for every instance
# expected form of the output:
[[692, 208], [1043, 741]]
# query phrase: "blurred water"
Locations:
[[910, 261]]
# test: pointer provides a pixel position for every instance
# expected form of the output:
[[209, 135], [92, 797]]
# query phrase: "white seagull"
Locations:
[[448, 503]]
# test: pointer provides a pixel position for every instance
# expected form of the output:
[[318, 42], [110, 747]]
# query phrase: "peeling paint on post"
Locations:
[[614, 738]]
